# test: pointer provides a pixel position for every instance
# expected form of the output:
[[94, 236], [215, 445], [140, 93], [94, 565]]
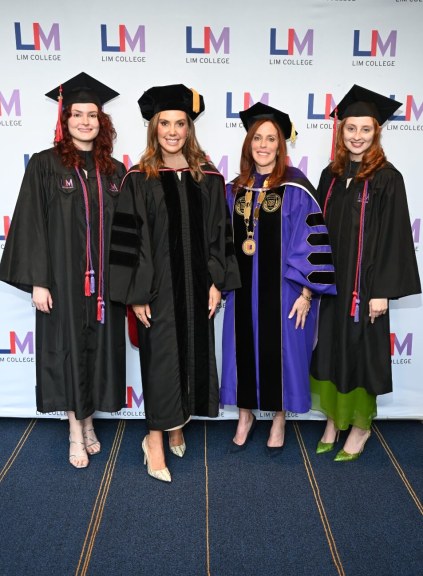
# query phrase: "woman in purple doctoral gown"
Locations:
[[282, 248]]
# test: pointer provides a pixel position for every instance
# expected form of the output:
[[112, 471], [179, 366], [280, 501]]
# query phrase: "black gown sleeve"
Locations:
[[395, 269], [25, 262], [131, 262]]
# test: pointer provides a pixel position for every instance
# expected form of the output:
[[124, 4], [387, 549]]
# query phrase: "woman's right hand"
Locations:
[[42, 299], [143, 313]]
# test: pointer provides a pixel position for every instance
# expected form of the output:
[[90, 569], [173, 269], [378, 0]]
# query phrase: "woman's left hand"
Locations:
[[377, 307], [215, 297], [301, 307]]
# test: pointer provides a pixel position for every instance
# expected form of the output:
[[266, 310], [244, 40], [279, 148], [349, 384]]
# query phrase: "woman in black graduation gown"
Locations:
[[171, 256], [374, 261], [57, 249]]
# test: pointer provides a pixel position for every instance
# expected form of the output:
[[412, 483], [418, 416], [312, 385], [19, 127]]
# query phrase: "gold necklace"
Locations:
[[249, 244]]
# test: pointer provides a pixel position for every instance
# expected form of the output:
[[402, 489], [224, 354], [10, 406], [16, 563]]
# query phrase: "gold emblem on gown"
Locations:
[[272, 202]]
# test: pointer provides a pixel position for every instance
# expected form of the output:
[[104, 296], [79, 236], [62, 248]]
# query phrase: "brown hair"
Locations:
[[102, 145], [373, 159], [246, 165], [152, 160]]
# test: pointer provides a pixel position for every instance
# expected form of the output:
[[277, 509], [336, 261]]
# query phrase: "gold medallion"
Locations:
[[249, 246]]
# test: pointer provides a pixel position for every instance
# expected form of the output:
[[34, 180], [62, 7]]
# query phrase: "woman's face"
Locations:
[[264, 147], [83, 125], [172, 131], [358, 133]]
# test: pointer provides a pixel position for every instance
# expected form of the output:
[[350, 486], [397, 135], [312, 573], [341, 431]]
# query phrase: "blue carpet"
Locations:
[[241, 515]]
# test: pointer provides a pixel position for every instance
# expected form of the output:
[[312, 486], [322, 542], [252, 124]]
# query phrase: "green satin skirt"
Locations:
[[356, 408]]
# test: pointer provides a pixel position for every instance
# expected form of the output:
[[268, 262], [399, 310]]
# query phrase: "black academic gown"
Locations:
[[172, 240], [357, 354], [80, 363]]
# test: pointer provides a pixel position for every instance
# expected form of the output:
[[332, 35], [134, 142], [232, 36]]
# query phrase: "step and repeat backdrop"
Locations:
[[301, 57]]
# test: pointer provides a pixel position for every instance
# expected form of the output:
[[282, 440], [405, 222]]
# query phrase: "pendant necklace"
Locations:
[[249, 244]]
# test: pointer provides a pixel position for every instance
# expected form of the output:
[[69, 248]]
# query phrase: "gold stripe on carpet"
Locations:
[[316, 492], [100, 502], [206, 468], [398, 468], [17, 449]]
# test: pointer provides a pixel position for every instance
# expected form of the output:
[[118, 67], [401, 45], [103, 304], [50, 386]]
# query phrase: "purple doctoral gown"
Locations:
[[265, 359]]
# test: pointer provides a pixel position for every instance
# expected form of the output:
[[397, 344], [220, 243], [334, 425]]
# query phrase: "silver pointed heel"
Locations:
[[163, 474]]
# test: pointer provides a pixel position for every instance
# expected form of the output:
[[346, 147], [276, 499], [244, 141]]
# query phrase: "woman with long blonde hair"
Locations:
[[171, 257]]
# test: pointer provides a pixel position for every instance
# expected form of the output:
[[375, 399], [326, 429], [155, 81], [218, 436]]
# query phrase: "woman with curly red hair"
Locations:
[[57, 249], [364, 202]]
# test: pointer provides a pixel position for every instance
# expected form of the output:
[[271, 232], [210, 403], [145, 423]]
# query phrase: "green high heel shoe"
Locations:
[[343, 456], [324, 447]]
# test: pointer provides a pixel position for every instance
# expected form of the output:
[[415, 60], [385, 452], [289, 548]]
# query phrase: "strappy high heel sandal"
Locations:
[[90, 440], [78, 455]]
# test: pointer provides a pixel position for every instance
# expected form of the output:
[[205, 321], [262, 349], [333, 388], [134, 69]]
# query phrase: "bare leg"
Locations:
[[277, 431], [92, 444], [78, 456], [176, 437], [356, 440], [245, 422], [330, 433], [155, 447]]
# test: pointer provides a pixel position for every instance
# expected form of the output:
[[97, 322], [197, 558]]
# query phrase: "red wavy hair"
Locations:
[[102, 145], [373, 159], [247, 165]]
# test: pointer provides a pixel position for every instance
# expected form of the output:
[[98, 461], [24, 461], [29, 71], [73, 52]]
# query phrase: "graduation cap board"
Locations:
[[359, 101], [81, 89]]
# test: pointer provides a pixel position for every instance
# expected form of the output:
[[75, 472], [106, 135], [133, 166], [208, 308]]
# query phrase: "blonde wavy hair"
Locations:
[[152, 159]]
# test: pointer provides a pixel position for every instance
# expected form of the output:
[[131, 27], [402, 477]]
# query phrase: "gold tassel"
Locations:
[[195, 101], [293, 136]]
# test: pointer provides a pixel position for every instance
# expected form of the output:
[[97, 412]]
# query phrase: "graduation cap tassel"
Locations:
[[58, 135], [195, 101], [293, 135], [334, 130]]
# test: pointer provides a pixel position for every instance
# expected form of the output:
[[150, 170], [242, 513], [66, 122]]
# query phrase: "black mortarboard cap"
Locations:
[[260, 111], [362, 102], [83, 89], [171, 97]]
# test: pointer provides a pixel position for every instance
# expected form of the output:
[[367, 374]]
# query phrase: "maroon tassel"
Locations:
[[334, 130], [58, 135], [87, 284], [99, 302]]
